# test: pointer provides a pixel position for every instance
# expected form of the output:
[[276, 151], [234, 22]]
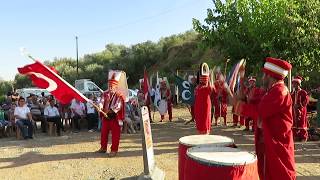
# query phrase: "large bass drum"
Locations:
[[208, 162], [199, 140]]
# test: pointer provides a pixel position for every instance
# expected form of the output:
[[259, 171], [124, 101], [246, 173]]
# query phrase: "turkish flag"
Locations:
[[146, 88], [46, 77]]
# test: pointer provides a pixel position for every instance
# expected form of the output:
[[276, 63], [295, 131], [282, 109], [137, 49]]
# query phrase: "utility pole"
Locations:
[[77, 57]]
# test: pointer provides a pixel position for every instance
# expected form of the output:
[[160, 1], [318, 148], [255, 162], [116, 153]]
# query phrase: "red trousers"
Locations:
[[169, 105], [224, 119], [149, 111], [247, 123], [236, 120], [114, 127], [301, 133], [259, 145], [192, 111]]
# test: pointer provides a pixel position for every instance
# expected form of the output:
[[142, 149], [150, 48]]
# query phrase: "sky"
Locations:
[[47, 29]]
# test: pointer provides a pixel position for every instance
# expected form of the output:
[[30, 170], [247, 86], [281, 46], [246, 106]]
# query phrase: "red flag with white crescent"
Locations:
[[46, 77]]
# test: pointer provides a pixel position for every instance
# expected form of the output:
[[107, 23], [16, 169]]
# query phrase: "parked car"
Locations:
[[132, 94], [87, 87], [25, 92]]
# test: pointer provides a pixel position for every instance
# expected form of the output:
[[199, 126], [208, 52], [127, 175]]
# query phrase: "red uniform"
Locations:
[[250, 110], [300, 100], [202, 108], [166, 94], [237, 119], [220, 101], [275, 111], [112, 102], [237, 106], [143, 102], [254, 96], [274, 140], [192, 111]]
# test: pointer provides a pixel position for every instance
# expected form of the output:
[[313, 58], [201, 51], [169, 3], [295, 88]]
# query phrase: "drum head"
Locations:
[[214, 140], [223, 156], [162, 107]]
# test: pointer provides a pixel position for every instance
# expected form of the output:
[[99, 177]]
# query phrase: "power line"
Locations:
[[167, 11]]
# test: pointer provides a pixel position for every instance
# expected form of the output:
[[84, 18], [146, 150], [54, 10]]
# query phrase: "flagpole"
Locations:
[[77, 57], [177, 88]]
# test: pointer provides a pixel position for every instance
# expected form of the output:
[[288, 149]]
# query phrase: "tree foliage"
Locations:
[[251, 29], [5, 86], [21, 81]]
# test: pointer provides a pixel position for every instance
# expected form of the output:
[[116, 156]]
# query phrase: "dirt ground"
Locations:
[[72, 156]]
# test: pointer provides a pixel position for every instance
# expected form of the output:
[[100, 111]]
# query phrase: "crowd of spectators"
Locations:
[[18, 112]]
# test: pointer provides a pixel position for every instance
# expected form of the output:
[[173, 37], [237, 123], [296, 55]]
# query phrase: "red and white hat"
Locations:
[[141, 82], [297, 79], [252, 78], [204, 73], [114, 77], [163, 84], [276, 68]]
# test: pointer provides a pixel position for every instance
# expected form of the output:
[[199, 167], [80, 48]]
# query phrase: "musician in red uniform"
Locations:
[[220, 100], [114, 107], [254, 95], [202, 103], [237, 118], [166, 95], [143, 100], [274, 138], [300, 100]]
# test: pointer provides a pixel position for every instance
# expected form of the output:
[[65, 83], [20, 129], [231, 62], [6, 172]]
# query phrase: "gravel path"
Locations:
[[72, 156]]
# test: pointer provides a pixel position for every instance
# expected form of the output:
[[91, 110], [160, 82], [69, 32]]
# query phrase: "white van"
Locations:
[[25, 92], [87, 87]]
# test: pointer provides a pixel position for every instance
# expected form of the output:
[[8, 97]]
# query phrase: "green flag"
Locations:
[[186, 90]]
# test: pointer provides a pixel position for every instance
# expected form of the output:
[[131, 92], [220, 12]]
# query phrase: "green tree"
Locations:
[[5, 86], [21, 81], [179, 51], [250, 29]]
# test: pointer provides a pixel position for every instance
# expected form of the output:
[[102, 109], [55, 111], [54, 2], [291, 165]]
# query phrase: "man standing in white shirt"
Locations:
[[23, 117], [51, 114]]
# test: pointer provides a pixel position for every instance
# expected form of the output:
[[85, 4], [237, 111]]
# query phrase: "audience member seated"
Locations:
[[66, 115], [4, 124], [78, 113], [35, 109], [136, 111], [92, 115], [23, 117], [11, 117], [128, 120], [51, 114]]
